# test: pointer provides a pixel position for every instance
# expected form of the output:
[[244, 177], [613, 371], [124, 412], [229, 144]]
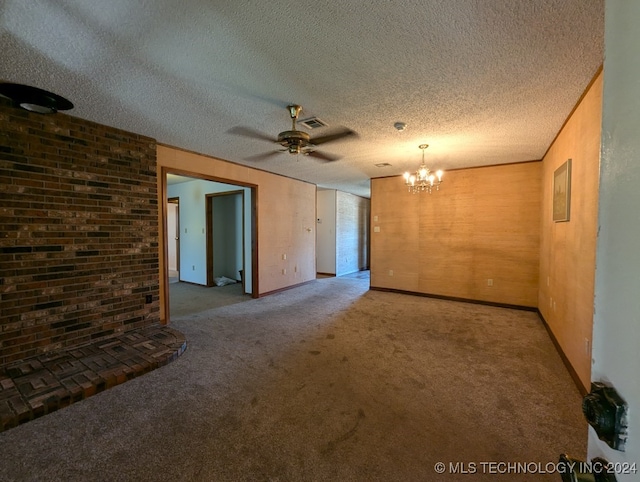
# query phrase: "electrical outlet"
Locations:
[[390, 272], [284, 256], [284, 270], [193, 267], [489, 282], [375, 218], [376, 229]]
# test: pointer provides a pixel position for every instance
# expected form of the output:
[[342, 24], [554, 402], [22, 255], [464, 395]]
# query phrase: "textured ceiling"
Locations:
[[482, 81]]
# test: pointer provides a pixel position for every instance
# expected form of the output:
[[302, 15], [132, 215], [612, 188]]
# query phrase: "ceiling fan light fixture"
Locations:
[[34, 99]]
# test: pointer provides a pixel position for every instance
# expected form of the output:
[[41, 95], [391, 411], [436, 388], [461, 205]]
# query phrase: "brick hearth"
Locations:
[[39, 385]]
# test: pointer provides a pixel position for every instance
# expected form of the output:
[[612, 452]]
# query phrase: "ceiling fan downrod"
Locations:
[[294, 112]]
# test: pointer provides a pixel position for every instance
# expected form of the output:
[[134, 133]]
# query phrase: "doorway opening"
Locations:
[[210, 232], [225, 237]]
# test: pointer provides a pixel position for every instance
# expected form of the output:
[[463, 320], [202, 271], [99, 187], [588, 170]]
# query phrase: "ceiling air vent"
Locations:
[[312, 123]]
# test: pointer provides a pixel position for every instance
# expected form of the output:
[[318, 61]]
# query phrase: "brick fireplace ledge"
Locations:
[[36, 386]]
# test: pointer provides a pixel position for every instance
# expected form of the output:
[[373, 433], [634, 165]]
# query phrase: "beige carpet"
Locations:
[[328, 381]]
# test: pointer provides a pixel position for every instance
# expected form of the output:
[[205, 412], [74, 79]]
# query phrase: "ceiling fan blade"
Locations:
[[262, 157], [332, 137], [321, 155], [248, 132]]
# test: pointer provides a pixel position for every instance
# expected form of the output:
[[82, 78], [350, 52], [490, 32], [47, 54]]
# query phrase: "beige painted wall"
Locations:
[[483, 224], [286, 215], [567, 253]]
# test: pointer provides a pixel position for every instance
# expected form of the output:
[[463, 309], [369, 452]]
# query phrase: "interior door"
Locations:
[[173, 237]]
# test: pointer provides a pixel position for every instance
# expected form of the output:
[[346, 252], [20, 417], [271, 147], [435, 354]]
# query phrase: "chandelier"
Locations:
[[423, 180]]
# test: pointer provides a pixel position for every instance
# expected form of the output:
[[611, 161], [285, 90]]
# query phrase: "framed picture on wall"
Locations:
[[562, 192]]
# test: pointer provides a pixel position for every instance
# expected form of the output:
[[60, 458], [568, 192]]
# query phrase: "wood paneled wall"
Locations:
[[483, 224], [286, 217], [567, 254]]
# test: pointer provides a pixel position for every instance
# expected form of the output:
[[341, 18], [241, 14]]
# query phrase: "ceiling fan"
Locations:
[[294, 141]]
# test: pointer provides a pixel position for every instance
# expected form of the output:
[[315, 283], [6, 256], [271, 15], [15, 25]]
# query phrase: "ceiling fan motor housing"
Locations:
[[294, 141]]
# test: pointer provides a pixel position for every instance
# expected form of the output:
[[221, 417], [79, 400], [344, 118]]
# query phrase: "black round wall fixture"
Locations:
[[34, 99]]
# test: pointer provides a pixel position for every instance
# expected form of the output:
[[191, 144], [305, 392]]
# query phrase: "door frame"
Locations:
[[164, 256], [209, 199]]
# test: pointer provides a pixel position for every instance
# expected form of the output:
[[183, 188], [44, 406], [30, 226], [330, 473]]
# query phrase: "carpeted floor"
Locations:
[[188, 298], [327, 381]]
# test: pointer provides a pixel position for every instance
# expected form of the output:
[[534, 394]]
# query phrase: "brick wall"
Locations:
[[78, 232]]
